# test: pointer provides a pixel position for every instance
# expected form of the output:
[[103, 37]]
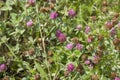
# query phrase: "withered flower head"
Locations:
[[75, 40], [94, 77], [80, 69], [113, 75]]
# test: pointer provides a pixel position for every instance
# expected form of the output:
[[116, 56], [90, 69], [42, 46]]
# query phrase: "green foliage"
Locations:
[[35, 49]]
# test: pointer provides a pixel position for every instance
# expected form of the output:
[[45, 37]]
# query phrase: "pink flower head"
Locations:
[[109, 25], [87, 62], [87, 29], [91, 66], [117, 78], [3, 67], [79, 27], [31, 2], [69, 46], [70, 67], [113, 31], [53, 15], [79, 46], [71, 13], [58, 32], [89, 40], [62, 37], [96, 59], [29, 23]]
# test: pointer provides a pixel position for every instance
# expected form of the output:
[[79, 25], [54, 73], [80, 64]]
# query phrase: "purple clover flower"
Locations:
[[79, 27], [69, 46], [119, 25], [62, 38], [3, 67], [117, 78], [113, 31], [87, 29], [71, 13], [31, 2], [87, 62], [91, 66], [79, 46], [29, 23], [53, 15], [89, 40], [58, 32], [70, 67]]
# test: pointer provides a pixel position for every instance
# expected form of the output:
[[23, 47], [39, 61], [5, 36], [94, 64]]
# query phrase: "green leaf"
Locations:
[[41, 71], [1, 3], [2, 59], [6, 8]]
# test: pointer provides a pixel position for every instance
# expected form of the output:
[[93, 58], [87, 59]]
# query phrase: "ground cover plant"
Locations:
[[59, 39]]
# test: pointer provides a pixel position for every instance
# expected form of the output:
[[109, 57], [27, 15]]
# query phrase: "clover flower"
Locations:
[[69, 46], [3, 67], [71, 13], [70, 67], [53, 15], [29, 23]]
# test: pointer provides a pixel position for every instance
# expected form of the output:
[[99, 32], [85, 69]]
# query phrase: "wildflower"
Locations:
[[29, 23], [80, 69], [62, 37], [53, 15], [113, 31], [87, 62], [79, 46], [58, 33], [78, 27], [84, 57], [113, 75], [94, 77], [89, 40], [3, 67], [69, 46], [96, 59], [66, 73], [70, 67], [75, 40], [119, 25], [31, 2], [37, 76], [117, 78], [87, 29], [71, 13], [91, 66], [109, 25]]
